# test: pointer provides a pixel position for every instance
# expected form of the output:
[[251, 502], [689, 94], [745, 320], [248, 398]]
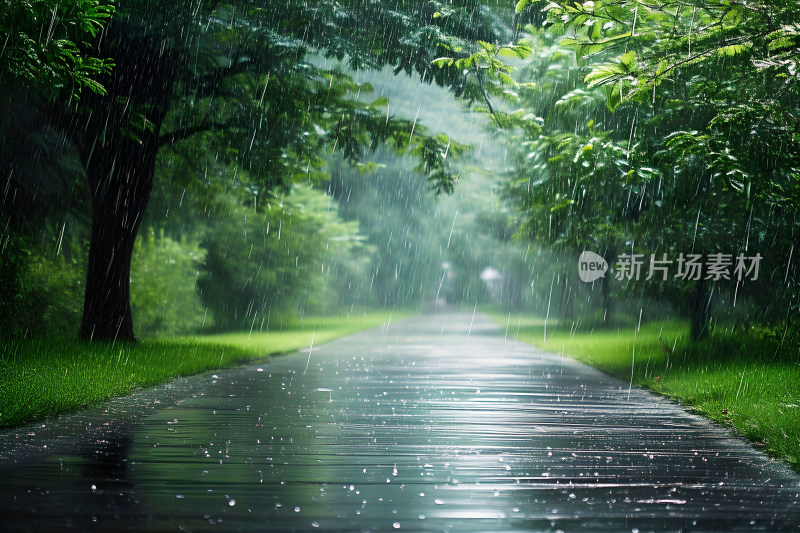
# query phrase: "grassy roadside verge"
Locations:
[[748, 382], [45, 377]]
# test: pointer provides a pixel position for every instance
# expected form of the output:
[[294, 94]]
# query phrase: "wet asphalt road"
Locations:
[[439, 423]]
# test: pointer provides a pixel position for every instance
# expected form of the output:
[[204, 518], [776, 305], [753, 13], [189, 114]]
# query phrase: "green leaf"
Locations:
[[594, 33], [505, 78], [521, 5], [518, 51], [381, 102], [442, 62], [562, 205], [603, 74], [628, 60], [734, 49], [613, 95]]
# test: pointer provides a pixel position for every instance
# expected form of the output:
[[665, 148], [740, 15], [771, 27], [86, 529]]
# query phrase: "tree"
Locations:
[[164, 297], [241, 74], [687, 140], [264, 262], [55, 63], [45, 62], [699, 79]]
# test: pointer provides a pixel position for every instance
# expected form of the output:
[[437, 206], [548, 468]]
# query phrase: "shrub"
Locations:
[[164, 299]]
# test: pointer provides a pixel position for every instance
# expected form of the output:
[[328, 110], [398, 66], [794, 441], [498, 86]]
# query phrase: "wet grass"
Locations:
[[298, 334], [48, 376], [749, 382]]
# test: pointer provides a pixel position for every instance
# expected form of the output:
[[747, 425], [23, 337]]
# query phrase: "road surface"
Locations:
[[438, 423]]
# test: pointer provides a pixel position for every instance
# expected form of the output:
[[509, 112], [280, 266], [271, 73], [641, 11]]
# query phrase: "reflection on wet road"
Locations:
[[439, 423]]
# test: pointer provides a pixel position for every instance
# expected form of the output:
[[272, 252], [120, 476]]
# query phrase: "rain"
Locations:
[[428, 266]]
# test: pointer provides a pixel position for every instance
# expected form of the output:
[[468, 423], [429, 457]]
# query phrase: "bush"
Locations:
[[164, 299], [40, 294], [286, 259], [12, 270]]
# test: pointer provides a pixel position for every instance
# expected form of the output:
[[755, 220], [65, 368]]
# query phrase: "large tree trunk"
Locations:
[[120, 148], [120, 185]]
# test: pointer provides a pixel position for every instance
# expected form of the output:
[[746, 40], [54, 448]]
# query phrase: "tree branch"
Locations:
[[184, 133], [209, 84], [483, 91]]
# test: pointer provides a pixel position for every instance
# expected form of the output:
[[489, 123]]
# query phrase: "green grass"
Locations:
[[298, 333], [748, 382], [45, 377]]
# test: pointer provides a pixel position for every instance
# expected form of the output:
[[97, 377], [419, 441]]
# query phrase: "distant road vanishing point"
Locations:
[[437, 423]]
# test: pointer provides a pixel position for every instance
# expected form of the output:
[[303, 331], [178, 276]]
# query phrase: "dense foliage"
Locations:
[[236, 86], [664, 128], [630, 128]]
